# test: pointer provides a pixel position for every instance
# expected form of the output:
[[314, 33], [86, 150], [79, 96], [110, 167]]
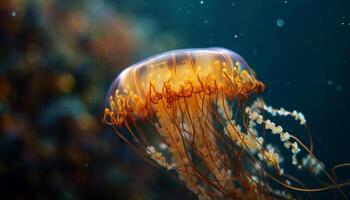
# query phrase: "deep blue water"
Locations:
[[58, 58]]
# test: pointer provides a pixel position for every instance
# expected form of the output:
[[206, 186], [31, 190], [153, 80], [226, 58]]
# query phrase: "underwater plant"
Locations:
[[199, 113]]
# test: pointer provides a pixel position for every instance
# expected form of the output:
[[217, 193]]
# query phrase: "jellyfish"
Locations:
[[199, 113]]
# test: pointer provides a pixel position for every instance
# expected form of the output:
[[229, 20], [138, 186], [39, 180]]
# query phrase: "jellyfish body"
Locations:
[[173, 75], [192, 112]]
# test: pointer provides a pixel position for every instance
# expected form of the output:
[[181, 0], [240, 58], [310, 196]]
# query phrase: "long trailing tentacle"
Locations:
[[278, 130]]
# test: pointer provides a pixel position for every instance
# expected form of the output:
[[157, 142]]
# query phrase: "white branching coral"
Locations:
[[311, 163], [271, 157], [158, 158], [284, 136], [282, 112], [260, 104], [295, 148], [276, 130], [251, 141]]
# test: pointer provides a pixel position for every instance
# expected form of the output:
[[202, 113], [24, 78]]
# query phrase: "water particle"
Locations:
[[285, 2], [339, 88], [255, 52], [330, 82], [205, 21], [201, 2], [13, 13], [280, 22], [235, 36]]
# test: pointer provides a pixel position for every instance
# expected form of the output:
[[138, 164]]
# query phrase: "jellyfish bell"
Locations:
[[199, 113], [181, 73]]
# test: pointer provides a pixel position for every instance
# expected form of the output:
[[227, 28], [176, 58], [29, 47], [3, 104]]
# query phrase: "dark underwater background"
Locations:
[[58, 58]]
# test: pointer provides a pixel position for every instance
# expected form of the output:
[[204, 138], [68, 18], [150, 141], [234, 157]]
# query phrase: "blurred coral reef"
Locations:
[[57, 59]]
